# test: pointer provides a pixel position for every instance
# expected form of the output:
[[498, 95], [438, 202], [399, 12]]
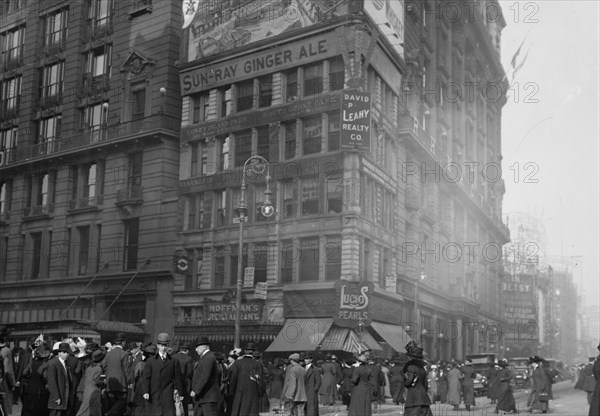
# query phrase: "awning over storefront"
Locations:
[[301, 334], [394, 335]]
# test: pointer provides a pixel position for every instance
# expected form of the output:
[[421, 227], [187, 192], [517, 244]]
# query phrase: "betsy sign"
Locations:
[[356, 121]]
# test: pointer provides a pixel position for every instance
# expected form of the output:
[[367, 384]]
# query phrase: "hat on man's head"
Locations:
[[535, 359], [64, 347], [41, 351], [250, 346], [98, 356], [120, 337], [163, 338], [309, 355], [295, 356], [362, 358], [413, 350], [186, 346], [202, 341], [503, 362], [149, 350]]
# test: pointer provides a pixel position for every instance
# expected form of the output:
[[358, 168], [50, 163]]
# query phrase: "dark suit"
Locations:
[[186, 364], [60, 387], [245, 391], [205, 385], [312, 386], [117, 366], [159, 380]]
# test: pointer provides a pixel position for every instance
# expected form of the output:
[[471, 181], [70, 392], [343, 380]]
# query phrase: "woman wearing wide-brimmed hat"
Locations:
[[415, 381], [539, 387], [93, 384], [35, 394], [506, 400], [362, 388]]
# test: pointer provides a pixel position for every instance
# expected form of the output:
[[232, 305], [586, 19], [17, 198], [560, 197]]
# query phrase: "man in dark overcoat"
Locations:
[[186, 364], [118, 371], [245, 378], [205, 390], [312, 386], [161, 380], [60, 382], [468, 386]]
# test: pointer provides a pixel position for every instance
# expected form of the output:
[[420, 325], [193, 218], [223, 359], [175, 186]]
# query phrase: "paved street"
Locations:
[[567, 401]]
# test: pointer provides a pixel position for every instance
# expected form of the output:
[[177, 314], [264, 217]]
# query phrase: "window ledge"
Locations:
[[139, 10]]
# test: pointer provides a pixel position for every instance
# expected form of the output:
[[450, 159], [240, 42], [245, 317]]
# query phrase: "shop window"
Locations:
[[221, 208], [200, 107], [309, 259], [219, 266], [263, 141], [290, 199], [291, 85], [224, 143], [84, 249], [312, 128], [310, 196], [243, 147], [265, 97], [260, 263], [336, 74], [36, 255], [233, 263], [335, 195], [225, 97]]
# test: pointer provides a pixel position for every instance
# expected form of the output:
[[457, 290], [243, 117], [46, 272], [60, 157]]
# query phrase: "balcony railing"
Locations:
[[93, 85], [38, 210], [86, 203], [108, 134]]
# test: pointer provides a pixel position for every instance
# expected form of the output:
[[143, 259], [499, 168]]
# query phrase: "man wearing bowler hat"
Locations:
[[205, 383], [187, 371], [59, 382], [245, 380], [161, 380]]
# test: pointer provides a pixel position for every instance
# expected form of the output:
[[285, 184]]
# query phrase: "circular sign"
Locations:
[[182, 265]]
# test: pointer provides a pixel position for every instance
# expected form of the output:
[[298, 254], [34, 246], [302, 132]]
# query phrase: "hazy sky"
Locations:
[[553, 124]]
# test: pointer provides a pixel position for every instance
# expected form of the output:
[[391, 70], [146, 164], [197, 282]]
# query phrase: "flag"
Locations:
[[520, 65], [39, 340], [190, 7], [513, 61]]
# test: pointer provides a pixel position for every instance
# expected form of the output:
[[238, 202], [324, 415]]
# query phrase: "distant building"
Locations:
[[89, 156]]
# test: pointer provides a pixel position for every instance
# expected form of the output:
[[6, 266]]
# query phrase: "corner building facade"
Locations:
[[89, 130], [341, 215]]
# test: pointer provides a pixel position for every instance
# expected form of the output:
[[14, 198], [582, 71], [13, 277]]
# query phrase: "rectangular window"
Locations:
[[84, 249], [56, 27], [138, 109], [191, 212], [335, 195], [221, 207], [287, 261], [333, 138], [233, 263], [97, 249], [265, 97], [225, 100], [100, 11], [245, 95], [36, 255], [3, 198], [11, 94], [291, 86], [312, 128], [313, 79], [333, 258], [201, 105], [224, 143], [260, 262], [243, 147], [134, 170], [49, 132], [263, 141], [42, 198], [290, 199], [13, 43], [8, 144], [219, 266], [95, 119], [194, 159], [52, 80], [289, 129], [310, 196], [3, 258], [204, 168], [89, 190], [309, 259], [366, 260], [336, 74], [130, 245]]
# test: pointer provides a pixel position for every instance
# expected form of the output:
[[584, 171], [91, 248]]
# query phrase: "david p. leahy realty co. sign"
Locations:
[[356, 121]]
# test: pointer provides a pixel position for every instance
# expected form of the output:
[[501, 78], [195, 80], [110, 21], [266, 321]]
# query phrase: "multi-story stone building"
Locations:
[[270, 79], [89, 152]]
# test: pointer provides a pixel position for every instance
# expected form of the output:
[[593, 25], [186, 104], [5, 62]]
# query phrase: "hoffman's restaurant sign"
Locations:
[[354, 307]]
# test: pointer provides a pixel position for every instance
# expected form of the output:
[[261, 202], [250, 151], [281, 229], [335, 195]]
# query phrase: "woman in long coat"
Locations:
[[432, 379], [329, 380], [468, 385], [454, 376], [34, 392], [246, 393], [503, 392], [346, 383], [92, 387], [493, 390], [362, 381], [443, 383], [415, 381], [540, 383], [397, 382], [139, 408]]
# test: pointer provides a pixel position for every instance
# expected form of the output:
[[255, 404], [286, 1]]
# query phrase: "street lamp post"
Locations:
[[257, 165], [417, 315]]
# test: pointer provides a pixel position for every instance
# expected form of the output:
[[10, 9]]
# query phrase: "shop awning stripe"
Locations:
[[394, 335], [301, 334]]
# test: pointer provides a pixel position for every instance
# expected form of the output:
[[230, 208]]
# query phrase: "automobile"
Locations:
[[520, 369], [481, 363]]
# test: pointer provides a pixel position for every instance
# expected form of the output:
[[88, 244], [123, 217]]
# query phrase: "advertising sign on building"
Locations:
[[390, 283], [224, 312], [260, 291], [222, 26], [356, 121], [353, 307], [248, 276], [519, 309], [389, 17]]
